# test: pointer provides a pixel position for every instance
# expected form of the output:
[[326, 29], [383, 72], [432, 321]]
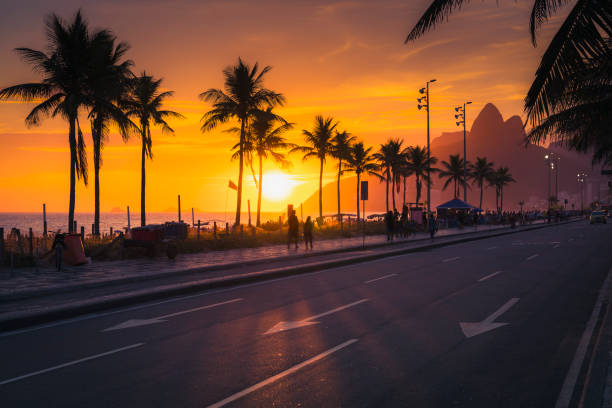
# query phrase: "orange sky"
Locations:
[[344, 59]]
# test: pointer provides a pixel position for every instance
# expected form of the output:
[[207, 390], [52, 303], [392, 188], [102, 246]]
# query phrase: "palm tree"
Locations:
[[417, 164], [108, 87], [559, 99], [145, 103], [389, 157], [500, 178], [264, 140], [453, 172], [341, 150], [244, 96], [481, 172], [361, 161], [320, 145], [62, 88]]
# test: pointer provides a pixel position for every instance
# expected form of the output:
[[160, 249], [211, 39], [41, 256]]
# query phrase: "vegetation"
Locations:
[[453, 173], [361, 161], [389, 157], [501, 178], [481, 173], [417, 165], [341, 150]]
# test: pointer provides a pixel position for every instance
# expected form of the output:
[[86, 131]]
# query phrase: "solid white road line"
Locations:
[[567, 389], [381, 278], [57, 367], [451, 259], [280, 375], [484, 278], [532, 256]]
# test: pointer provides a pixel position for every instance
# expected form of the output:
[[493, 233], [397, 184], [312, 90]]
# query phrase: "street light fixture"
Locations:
[[580, 178], [424, 103], [461, 116], [552, 163]]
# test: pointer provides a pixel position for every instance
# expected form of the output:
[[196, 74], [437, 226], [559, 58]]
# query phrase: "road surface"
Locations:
[[489, 323]]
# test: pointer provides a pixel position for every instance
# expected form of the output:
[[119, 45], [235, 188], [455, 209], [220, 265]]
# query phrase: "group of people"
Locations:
[[293, 235], [403, 226]]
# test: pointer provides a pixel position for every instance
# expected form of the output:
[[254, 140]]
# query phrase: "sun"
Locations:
[[277, 186]]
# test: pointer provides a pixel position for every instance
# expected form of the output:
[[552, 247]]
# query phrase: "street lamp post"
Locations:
[[424, 103], [580, 178], [460, 116], [549, 164]]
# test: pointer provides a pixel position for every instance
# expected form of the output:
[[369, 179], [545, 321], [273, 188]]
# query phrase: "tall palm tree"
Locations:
[[389, 158], [319, 144], [145, 104], [341, 150], [501, 178], [264, 139], [107, 87], [481, 172], [559, 99], [362, 161], [417, 164], [244, 95], [453, 172], [62, 88]]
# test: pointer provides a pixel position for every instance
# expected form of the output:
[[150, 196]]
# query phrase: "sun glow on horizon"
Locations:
[[277, 186]]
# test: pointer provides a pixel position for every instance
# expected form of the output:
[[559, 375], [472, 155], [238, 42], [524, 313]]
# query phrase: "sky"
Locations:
[[345, 59]]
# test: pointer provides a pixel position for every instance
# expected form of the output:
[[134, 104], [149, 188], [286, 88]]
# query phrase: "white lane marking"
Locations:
[[471, 329], [532, 256], [484, 278], [160, 319], [567, 389], [280, 375], [283, 326], [490, 248], [451, 259], [381, 278], [556, 246], [57, 367]]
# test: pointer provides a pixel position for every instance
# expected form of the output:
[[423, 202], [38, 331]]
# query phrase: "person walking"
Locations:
[[58, 245], [433, 225], [294, 230], [308, 227], [389, 224]]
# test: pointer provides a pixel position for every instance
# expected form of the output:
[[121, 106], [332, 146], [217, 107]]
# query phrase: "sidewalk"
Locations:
[[31, 282]]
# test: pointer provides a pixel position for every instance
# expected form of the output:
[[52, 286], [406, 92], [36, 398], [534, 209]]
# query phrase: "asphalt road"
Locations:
[[386, 333]]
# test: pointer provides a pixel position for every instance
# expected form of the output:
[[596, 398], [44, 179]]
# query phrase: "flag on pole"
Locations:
[[232, 185]]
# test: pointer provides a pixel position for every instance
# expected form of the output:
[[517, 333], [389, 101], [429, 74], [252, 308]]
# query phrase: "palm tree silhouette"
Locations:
[[501, 178], [264, 140], [453, 172], [107, 88], [389, 157], [361, 161], [63, 88], [244, 96], [481, 172], [319, 143], [145, 103], [417, 165], [341, 150]]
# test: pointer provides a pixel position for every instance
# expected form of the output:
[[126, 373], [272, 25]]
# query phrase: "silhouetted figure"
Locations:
[[294, 230], [58, 245], [308, 227], [389, 224], [433, 226]]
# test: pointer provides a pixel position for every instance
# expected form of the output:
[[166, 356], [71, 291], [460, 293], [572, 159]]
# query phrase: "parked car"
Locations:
[[598, 216]]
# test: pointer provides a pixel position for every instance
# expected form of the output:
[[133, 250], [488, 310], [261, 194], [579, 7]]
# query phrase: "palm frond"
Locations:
[[434, 15]]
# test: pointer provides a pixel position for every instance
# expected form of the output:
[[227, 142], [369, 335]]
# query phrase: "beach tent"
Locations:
[[457, 204]]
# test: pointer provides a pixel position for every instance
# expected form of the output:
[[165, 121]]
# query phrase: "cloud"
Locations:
[[405, 55]]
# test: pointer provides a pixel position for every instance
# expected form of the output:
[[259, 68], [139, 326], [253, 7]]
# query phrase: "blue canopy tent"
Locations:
[[457, 204]]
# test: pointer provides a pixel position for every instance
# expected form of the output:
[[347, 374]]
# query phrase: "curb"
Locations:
[[18, 320]]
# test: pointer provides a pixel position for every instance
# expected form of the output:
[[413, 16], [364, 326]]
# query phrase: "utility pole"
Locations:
[[424, 103], [460, 116]]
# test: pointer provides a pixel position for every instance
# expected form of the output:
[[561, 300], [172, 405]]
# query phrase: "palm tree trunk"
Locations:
[[481, 188], [501, 199], [339, 173], [259, 192], [240, 171], [321, 191], [358, 196], [73, 164], [96, 133], [404, 203], [418, 189], [393, 191], [143, 156], [455, 188], [387, 192]]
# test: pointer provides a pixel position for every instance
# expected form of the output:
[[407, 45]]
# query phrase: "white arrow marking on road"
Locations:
[[474, 329], [284, 326], [144, 322]]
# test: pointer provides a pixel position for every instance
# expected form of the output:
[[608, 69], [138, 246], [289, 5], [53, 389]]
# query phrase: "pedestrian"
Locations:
[[433, 225], [389, 224], [294, 230], [58, 245], [308, 227]]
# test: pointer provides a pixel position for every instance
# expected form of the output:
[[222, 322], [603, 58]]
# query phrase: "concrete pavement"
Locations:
[[387, 332]]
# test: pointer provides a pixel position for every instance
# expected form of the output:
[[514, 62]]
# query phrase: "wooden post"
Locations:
[[111, 232], [249, 205], [83, 235], [179, 207], [198, 230], [1, 246], [227, 228], [128, 214], [192, 218], [31, 242], [74, 227], [93, 229], [44, 220], [215, 230]]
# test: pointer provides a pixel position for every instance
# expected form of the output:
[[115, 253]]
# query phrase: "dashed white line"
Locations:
[[490, 248], [57, 367], [381, 278], [532, 256], [280, 375], [556, 246], [451, 259], [489, 276]]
